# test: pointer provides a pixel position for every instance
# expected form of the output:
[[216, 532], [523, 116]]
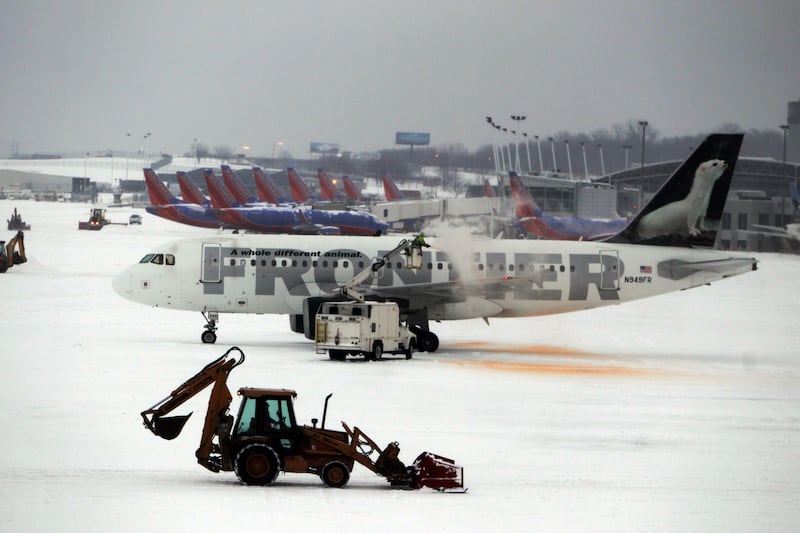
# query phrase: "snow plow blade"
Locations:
[[438, 473]]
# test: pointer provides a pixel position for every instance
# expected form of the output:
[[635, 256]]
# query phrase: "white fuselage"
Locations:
[[468, 279]]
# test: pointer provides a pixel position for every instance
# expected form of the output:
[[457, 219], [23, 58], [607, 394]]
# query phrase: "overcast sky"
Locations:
[[79, 75]]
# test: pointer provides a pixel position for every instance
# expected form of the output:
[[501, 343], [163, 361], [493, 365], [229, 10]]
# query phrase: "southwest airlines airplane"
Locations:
[[667, 247]]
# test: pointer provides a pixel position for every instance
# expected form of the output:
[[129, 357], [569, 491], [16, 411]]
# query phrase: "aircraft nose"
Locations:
[[122, 283]]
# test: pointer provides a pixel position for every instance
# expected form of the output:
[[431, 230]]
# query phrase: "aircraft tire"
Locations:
[[428, 341], [208, 337]]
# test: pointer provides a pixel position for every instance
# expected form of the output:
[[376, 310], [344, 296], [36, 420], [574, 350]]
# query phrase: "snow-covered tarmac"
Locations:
[[680, 412]]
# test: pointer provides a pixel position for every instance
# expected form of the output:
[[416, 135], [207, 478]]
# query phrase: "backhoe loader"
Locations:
[[12, 253], [265, 437]]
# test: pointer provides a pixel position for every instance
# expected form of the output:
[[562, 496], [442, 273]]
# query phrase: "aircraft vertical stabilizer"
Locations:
[[189, 189], [298, 188], [351, 190], [267, 190], [390, 189], [236, 187], [687, 209]]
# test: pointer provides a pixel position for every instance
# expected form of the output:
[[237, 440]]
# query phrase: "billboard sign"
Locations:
[[412, 138], [324, 148]]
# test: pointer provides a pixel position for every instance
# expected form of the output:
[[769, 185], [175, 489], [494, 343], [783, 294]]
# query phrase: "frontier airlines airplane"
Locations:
[[667, 247]]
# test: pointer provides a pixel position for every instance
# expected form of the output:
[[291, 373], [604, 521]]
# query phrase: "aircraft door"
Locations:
[[609, 270], [211, 271]]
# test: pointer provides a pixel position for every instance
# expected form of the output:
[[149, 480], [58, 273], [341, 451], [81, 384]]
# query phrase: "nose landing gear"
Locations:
[[209, 336]]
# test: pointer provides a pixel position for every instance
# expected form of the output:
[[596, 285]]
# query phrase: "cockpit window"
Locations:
[[159, 259]]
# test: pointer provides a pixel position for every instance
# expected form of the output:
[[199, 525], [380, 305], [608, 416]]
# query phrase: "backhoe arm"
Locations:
[[216, 373]]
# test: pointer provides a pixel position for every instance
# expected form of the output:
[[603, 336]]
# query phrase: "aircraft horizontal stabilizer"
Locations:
[[677, 269]]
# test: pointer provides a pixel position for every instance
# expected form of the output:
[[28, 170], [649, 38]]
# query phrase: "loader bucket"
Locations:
[[437, 472], [169, 427]]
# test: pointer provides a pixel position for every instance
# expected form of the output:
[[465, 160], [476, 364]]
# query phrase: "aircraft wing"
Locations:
[[454, 291], [677, 269]]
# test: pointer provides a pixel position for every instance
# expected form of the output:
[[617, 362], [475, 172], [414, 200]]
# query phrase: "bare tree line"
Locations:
[[605, 151]]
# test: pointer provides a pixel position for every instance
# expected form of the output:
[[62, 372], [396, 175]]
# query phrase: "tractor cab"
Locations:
[[265, 413]]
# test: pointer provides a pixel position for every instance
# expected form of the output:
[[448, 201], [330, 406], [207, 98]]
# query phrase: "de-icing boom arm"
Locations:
[[349, 288]]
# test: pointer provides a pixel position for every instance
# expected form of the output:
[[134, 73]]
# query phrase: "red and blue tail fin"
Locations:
[[189, 189], [220, 196], [351, 190], [390, 189], [298, 188], [327, 188], [267, 190], [158, 192], [236, 187]]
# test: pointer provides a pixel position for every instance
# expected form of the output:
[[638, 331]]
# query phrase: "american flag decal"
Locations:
[[645, 269]]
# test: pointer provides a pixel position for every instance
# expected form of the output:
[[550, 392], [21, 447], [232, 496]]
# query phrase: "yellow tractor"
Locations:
[[265, 438]]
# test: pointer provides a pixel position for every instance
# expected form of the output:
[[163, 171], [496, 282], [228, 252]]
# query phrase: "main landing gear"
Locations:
[[427, 341], [209, 336]]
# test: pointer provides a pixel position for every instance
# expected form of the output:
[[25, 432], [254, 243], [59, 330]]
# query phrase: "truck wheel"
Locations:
[[208, 337], [337, 355], [377, 351], [256, 464], [335, 474]]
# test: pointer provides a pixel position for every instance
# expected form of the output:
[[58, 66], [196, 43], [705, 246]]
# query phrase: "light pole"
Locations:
[[553, 149], [539, 146], [528, 150], [785, 128], [127, 154], [277, 143], [585, 166], [86, 165], [602, 161], [643, 124], [508, 147], [569, 159], [627, 147], [146, 135], [194, 149], [490, 122], [518, 119]]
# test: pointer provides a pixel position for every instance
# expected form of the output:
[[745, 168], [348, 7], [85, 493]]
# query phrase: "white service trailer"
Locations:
[[362, 328]]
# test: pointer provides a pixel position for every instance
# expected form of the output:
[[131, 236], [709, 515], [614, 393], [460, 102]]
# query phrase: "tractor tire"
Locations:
[[335, 474], [256, 464], [377, 351]]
